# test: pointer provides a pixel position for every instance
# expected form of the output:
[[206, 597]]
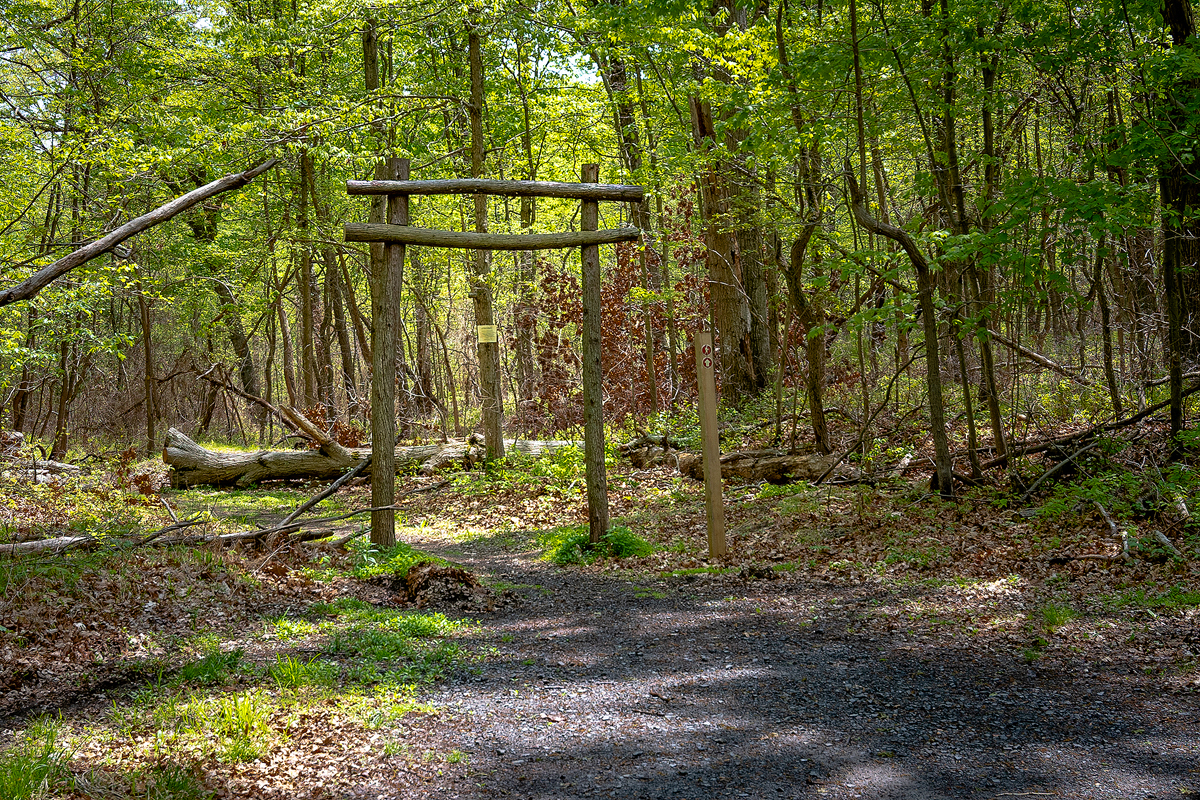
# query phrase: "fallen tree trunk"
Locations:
[[55, 545], [771, 466], [193, 465]]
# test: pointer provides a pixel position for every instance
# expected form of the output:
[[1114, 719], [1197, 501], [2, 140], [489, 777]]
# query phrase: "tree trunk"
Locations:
[[933, 378], [810, 314], [308, 360], [1179, 183], [742, 376], [337, 300], [481, 292], [238, 338], [150, 402], [285, 335]]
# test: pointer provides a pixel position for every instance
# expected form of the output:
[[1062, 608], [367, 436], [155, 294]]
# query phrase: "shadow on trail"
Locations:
[[604, 694]]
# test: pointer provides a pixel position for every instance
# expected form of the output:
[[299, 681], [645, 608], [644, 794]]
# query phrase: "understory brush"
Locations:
[[107, 498]]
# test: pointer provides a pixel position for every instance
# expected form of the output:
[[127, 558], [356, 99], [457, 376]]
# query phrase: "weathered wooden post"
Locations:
[[387, 276], [713, 504], [593, 375]]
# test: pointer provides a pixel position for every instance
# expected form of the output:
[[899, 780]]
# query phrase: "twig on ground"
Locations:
[[1057, 468], [170, 510], [195, 519], [1119, 532], [331, 489], [1162, 539]]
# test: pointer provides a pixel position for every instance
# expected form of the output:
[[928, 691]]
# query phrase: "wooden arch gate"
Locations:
[[396, 232]]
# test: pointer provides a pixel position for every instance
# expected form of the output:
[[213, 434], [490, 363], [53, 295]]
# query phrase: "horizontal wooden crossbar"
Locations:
[[569, 191], [431, 237]]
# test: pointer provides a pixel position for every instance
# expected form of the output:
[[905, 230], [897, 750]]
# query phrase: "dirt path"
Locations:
[[768, 689]]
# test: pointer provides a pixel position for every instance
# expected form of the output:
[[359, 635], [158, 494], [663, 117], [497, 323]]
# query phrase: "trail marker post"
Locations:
[[714, 506]]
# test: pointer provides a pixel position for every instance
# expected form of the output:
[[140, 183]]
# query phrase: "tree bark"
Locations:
[[1179, 184], [151, 401], [593, 373], [386, 282], [481, 292], [193, 465]]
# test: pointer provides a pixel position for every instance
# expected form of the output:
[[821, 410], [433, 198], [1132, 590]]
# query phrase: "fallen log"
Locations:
[[772, 466], [58, 544], [193, 465]]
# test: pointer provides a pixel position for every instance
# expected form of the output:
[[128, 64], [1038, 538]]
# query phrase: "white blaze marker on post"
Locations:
[[714, 507]]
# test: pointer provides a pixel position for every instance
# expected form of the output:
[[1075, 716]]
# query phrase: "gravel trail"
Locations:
[[718, 688]]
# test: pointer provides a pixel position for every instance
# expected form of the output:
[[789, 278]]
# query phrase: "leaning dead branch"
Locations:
[[1056, 469], [327, 492], [48, 274], [1039, 359], [1089, 433], [1162, 539]]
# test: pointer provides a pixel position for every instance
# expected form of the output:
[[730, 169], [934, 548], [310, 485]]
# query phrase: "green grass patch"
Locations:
[[557, 472], [291, 673], [387, 646], [214, 668], [232, 727], [1174, 599], [286, 629], [371, 562], [1055, 615], [773, 490], [35, 766], [165, 782], [570, 545]]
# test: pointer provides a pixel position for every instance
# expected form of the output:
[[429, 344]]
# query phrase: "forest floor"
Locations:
[[859, 642]]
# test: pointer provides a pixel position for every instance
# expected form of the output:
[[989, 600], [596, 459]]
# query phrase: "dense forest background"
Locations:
[[848, 194]]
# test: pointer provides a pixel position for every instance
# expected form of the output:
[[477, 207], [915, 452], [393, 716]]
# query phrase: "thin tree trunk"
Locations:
[[150, 402], [1110, 374], [925, 287], [308, 360], [337, 301], [285, 335], [481, 292]]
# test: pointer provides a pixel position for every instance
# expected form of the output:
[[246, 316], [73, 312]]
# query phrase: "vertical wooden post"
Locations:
[[713, 505], [386, 280], [593, 376]]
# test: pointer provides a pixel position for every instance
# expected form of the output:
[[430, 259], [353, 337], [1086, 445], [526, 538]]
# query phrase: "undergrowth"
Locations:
[[571, 545]]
